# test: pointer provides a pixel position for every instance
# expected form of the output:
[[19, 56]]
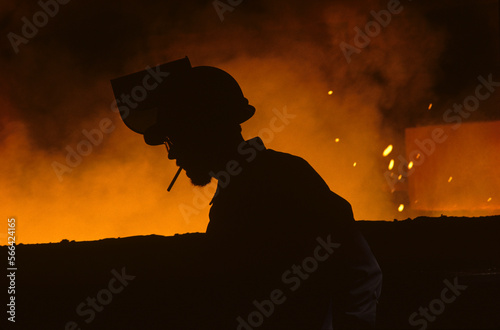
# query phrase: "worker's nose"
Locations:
[[172, 154], [171, 151]]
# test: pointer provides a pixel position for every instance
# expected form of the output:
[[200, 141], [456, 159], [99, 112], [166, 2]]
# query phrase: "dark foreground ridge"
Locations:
[[142, 282]]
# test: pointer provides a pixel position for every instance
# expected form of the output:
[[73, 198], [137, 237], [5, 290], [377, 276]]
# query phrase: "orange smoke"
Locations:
[[458, 170], [284, 57]]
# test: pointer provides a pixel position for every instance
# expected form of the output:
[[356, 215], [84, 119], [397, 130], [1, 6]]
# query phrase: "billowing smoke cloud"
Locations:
[[286, 56]]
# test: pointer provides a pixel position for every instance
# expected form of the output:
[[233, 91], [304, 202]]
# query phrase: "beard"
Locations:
[[198, 177]]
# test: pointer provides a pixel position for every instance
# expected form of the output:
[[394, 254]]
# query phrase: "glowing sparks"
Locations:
[[337, 140], [391, 164], [387, 150], [430, 106], [489, 199], [400, 177], [354, 164], [450, 178], [418, 156], [330, 92], [401, 207], [410, 165]]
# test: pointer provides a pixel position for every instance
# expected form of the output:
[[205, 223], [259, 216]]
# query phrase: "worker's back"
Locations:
[[286, 247]]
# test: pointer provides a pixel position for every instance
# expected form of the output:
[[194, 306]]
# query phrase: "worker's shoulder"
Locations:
[[302, 176], [285, 160], [283, 156], [290, 167]]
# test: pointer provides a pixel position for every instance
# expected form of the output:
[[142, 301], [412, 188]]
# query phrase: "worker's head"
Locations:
[[197, 113]]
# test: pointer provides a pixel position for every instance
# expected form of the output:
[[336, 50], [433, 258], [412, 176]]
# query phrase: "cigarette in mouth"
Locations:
[[175, 178]]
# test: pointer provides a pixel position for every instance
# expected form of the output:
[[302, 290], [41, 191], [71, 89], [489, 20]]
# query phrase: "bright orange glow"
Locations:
[[119, 189], [410, 165], [391, 164], [400, 177], [470, 152], [387, 150], [430, 106], [401, 207]]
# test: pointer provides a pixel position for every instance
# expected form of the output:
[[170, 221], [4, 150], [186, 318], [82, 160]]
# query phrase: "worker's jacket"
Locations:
[[284, 249]]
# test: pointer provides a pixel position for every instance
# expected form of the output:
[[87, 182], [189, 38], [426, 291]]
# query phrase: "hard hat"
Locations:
[[186, 96]]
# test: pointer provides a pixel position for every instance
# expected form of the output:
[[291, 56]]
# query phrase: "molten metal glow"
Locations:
[[330, 92], [430, 106], [410, 165], [401, 207], [391, 164], [453, 157]]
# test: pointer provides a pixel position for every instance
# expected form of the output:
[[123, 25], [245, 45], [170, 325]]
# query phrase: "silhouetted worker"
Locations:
[[282, 248]]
